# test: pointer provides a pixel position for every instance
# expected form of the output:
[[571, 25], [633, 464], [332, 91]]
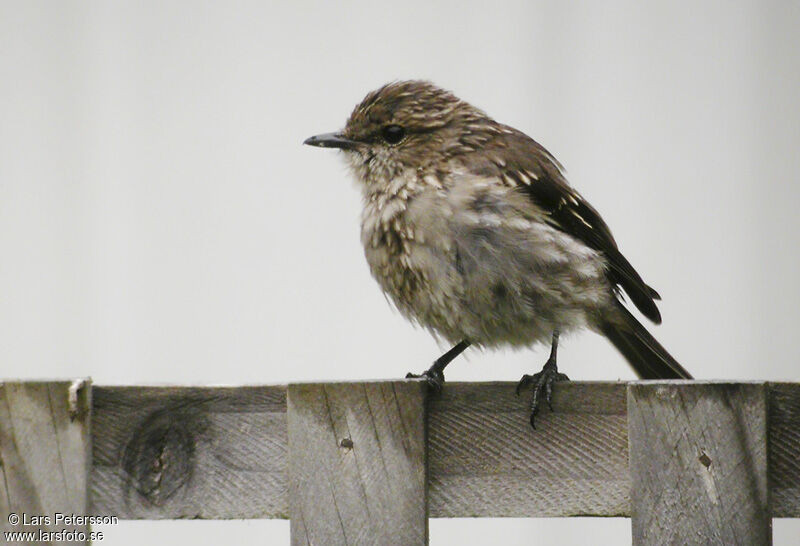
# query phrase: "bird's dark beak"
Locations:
[[331, 140]]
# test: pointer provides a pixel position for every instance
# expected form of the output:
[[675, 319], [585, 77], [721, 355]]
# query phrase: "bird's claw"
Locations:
[[524, 381], [433, 378], [542, 384]]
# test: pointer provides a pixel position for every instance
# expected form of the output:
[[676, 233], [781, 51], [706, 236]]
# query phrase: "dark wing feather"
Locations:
[[526, 164]]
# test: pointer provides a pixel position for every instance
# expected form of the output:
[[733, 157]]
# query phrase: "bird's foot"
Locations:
[[433, 376], [542, 385]]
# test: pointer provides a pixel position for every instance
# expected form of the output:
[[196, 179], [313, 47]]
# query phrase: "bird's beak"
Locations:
[[331, 140]]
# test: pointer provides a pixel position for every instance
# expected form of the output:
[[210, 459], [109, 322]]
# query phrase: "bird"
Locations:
[[472, 230]]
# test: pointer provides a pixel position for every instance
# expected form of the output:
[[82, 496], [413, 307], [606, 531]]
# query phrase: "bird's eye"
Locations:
[[393, 134]]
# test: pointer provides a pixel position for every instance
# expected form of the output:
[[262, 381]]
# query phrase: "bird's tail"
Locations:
[[646, 355]]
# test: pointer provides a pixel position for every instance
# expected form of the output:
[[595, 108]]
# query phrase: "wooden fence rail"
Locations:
[[368, 463]]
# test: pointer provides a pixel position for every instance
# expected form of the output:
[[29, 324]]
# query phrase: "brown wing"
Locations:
[[523, 162]]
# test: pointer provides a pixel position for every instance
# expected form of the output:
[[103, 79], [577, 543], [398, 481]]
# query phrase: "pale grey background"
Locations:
[[160, 221]]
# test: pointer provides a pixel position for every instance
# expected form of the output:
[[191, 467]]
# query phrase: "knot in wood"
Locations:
[[159, 459]]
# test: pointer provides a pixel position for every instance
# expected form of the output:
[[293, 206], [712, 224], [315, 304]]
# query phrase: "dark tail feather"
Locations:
[[646, 355]]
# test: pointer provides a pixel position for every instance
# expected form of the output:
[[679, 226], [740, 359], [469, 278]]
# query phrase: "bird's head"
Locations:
[[408, 125]]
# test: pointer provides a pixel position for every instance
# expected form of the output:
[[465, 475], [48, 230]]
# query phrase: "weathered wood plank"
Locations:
[[483, 458], [45, 456], [784, 449], [357, 463], [190, 452], [698, 460]]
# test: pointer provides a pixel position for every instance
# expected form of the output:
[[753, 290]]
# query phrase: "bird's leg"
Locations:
[[435, 374], [543, 381]]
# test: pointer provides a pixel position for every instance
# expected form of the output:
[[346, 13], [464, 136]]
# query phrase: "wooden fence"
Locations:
[[368, 463]]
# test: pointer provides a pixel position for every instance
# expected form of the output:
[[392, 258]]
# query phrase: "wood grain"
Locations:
[[483, 458], [486, 461], [784, 450], [45, 453], [357, 463], [190, 452], [698, 460]]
